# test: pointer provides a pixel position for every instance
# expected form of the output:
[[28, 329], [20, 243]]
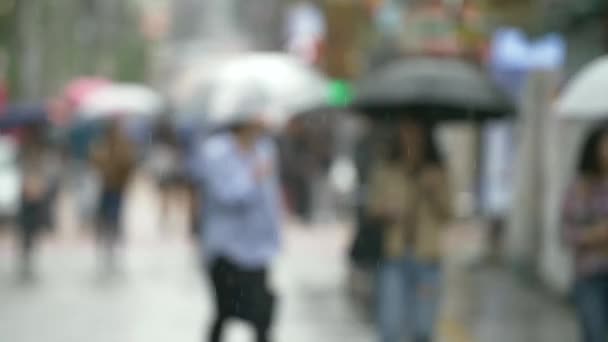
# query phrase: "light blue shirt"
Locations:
[[240, 215]]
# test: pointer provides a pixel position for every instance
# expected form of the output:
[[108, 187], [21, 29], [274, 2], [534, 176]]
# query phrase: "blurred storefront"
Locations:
[[584, 24], [430, 28], [365, 34], [346, 24], [304, 31], [533, 70], [516, 13], [529, 70]]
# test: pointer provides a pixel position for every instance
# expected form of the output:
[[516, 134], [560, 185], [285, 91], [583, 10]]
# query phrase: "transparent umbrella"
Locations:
[[287, 86], [584, 96], [122, 99]]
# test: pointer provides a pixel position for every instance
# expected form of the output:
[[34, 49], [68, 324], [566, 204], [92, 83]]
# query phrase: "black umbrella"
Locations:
[[431, 88]]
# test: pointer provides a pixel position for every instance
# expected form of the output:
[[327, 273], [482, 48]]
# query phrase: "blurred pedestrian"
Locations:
[[237, 171], [297, 169], [410, 195], [54, 167], [585, 224], [188, 136], [114, 159], [366, 248], [84, 180], [35, 179], [306, 152], [165, 160]]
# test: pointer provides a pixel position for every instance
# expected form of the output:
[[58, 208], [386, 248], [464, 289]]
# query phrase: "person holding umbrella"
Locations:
[[237, 175], [114, 159], [410, 195], [33, 160]]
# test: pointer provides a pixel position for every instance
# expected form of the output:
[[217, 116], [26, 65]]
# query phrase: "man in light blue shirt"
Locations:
[[240, 221]]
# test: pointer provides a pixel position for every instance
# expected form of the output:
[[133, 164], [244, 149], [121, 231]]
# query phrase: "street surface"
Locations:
[[161, 295]]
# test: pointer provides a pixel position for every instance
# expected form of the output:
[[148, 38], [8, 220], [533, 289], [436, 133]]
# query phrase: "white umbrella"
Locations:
[[122, 99], [585, 97], [286, 86], [195, 76], [191, 90], [240, 105]]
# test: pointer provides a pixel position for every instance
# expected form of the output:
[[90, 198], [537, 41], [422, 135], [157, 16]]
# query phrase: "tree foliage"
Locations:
[[52, 42]]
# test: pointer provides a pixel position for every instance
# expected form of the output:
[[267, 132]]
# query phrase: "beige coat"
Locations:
[[115, 162], [414, 206]]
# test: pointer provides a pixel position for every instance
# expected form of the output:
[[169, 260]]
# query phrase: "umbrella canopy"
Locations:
[[584, 97], [77, 91], [188, 82], [15, 116], [285, 85], [431, 88], [122, 99]]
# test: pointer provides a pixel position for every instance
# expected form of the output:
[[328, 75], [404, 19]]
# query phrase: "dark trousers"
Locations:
[[109, 214], [241, 294], [109, 231], [31, 220], [591, 295], [299, 193]]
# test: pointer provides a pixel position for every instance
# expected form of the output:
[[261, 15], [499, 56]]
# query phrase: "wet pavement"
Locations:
[[160, 294], [486, 302], [513, 310]]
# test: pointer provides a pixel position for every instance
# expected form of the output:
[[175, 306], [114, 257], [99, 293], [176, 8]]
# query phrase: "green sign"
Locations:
[[340, 93]]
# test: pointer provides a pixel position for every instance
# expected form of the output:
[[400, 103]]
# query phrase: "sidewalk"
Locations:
[[161, 295], [490, 304], [164, 298], [508, 310]]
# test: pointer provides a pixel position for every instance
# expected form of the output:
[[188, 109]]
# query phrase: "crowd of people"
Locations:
[[237, 199], [239, 178], [112, 158]]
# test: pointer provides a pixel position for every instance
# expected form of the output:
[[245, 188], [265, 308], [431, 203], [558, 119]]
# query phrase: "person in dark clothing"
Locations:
[[165, 158], [366, 248], [306, 154], [34, 194], [298, 165]]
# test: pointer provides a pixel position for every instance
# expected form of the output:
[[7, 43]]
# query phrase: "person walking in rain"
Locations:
[[240, 221], [114, 159], [298, 169], [35, 175], [585, 225], [165, 160], [366, 246], [410, 195]]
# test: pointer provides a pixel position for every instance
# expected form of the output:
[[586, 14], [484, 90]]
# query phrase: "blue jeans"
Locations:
[[110, 210], [408, 299], [591, 296]]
